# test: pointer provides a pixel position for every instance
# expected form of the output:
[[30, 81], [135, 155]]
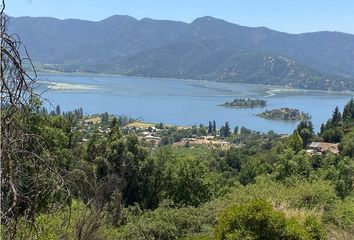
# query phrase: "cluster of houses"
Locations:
[[319, 148], [87, 127], [209, 141], [149, 134], [146, 133], [144, 130], [150, 137]]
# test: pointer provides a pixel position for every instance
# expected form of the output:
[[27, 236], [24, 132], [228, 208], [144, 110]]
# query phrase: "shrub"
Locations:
[[342, 214], [258, 220], [167, 223]]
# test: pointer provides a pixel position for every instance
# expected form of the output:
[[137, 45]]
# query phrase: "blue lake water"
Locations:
[[183, 102]]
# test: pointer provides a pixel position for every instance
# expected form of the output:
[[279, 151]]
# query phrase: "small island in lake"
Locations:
[[285, 114], [246, 103]]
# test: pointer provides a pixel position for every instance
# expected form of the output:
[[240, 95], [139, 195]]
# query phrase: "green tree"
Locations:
[[96, 146], [210, 127], [333, 135], [322, 129], [295, 142], [155, 177], [348, 111], [305, 129], [336, 117], [225, 130], [105, 118], [57, 110], [347, 144], [160, 126], [249, 171], [233, 158], [344, 185], [189, 184]]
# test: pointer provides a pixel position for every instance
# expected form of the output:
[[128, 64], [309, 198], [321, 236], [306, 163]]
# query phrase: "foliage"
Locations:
[[296, 142], [347, 144], [62, 180], [121, 187], [344, 183], [225, 130], [337, 126], [342, 214], [258, 220], [305, 129], [166, 223], [189, 184], [75, 222]]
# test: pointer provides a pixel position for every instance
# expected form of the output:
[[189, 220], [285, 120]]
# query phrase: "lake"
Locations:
[[183, 102]]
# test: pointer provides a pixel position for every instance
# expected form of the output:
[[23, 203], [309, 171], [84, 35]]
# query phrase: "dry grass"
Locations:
[[291, 212], [140, 124], [340, 234]]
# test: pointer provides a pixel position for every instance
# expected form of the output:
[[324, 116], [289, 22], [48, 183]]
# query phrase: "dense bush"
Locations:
[[347, 145], [166, 223], [259, 220]]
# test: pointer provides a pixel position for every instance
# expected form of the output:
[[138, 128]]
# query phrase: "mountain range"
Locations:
[[207, 48]]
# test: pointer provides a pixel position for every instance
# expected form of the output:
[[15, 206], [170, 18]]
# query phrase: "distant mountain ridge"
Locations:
[[208, 48]]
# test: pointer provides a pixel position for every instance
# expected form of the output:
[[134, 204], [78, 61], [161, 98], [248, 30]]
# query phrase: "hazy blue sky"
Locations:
[[285, 15]]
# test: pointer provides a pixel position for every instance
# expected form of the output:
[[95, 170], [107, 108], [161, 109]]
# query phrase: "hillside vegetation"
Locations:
[[124, 188], [67, 175]]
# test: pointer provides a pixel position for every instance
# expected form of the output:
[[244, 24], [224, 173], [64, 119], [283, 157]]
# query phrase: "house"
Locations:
[[209, 137], [145, 133], [321, 147], [151, 139]]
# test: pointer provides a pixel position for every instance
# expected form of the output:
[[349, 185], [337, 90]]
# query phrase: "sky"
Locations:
[[293, 16]]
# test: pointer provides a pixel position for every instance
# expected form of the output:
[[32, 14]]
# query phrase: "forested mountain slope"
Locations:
[[207, 48]]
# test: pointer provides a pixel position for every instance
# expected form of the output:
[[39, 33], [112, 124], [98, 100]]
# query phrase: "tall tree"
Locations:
[[210, 127], [322, 129], [57, 110], [227, 129], [348, 111], [105, 118], [336, 117]]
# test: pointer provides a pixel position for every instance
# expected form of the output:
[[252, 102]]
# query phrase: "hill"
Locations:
[[208, 48]]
